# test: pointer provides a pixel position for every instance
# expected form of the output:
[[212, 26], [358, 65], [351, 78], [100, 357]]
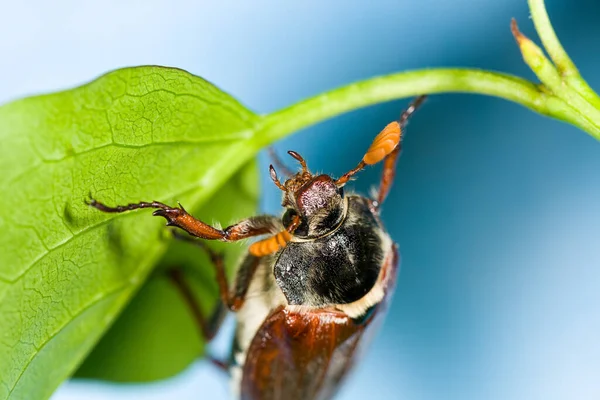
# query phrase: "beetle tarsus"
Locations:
[[412, 107], [129, 207], [170, 214]]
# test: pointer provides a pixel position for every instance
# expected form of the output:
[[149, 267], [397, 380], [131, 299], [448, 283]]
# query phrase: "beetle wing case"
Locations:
[[299, 354]]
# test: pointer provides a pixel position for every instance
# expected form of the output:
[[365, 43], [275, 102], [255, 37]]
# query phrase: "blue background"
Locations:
[[495, 208]]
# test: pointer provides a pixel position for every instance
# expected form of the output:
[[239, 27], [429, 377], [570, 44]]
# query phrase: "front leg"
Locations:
[[179, 217]]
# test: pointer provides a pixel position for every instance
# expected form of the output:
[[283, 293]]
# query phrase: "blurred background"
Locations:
[[495, 208]]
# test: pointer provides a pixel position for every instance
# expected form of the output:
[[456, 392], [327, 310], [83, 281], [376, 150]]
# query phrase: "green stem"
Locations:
[[566, 68], [412, 83], [543, 68], [551, 43]]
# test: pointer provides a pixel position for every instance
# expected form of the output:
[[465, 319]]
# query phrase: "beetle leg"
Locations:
[[208, 326], [387, 177], [390, 160], [243, 278], [232, 299], [179, 217]]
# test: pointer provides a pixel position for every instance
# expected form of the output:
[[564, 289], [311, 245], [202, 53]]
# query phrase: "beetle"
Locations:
[[306, 296]]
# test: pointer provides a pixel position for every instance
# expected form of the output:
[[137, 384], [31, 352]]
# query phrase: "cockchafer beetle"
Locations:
[[305, 297]]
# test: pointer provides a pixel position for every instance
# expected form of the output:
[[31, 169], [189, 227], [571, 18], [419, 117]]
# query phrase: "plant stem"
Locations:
[[565, 66], [551, 43], [543, 68], [412, 83]]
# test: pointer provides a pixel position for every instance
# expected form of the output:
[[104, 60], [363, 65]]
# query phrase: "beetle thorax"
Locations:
[[340, 267]]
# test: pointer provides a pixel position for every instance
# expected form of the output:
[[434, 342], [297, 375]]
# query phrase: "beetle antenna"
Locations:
[[273, 174], [299, 158], [385, 143]]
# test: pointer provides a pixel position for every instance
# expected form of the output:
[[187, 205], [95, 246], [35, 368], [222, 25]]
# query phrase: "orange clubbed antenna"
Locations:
[[385, 143]]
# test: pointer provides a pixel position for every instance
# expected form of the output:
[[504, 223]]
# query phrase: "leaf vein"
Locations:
[[47, 340]]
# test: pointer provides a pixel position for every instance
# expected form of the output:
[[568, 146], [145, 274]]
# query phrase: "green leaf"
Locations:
[[156, 336], [67, 270]]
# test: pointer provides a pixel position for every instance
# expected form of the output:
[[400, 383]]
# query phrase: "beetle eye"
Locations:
[[288, 216], [302, 229], [341, 192]]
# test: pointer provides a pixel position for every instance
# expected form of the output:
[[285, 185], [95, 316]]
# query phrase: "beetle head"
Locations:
[[316, 199]]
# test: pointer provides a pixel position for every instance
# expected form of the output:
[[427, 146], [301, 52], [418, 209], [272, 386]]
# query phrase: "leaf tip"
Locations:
[[532, 53], [514, 28]]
